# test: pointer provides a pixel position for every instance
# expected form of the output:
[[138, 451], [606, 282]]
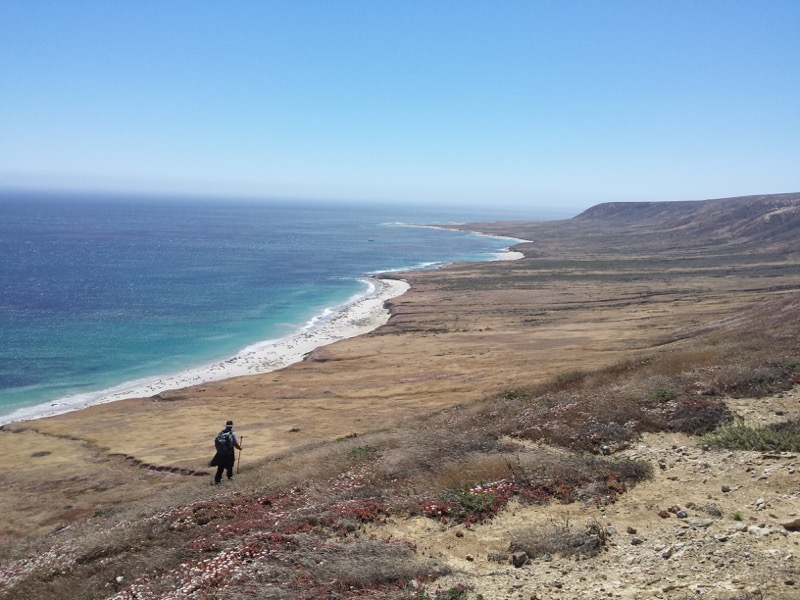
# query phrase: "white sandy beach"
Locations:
[[360, 316]]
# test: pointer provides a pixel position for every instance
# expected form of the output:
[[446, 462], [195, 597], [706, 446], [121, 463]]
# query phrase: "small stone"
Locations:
[[469, 557], [726, 488], [682, 514], [631, 530], [636, 541]]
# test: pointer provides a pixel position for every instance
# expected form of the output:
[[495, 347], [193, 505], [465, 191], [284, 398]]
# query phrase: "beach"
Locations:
[[360, 315]]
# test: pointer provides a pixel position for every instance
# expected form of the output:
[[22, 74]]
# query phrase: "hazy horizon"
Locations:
[[519, 105]]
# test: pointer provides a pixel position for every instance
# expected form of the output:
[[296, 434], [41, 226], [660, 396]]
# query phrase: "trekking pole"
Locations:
[[238, 462]]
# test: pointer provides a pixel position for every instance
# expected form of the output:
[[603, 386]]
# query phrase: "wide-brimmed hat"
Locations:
[[229, 424]]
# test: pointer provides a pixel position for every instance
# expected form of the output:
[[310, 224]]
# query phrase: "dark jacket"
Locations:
[[225, 457]]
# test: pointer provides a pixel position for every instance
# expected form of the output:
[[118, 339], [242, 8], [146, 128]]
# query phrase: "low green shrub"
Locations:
[[454, 593], [663, 394], [781, 437]]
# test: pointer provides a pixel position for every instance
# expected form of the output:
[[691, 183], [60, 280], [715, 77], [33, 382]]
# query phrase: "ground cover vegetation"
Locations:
[[294, 527], [307, 523]]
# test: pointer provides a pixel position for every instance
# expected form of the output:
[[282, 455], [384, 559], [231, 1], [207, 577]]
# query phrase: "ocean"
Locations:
[[99, 290]]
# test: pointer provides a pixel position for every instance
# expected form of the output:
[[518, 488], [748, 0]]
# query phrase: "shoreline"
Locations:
[[361, 314]]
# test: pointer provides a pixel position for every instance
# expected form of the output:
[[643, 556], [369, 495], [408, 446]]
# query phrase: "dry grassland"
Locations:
[[541, 378]]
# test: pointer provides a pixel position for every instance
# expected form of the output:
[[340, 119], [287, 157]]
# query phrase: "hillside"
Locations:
[[618, 414]]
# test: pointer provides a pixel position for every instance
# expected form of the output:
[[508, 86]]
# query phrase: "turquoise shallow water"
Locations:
[[96, 291]]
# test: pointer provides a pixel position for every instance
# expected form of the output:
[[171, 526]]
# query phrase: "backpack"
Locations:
[[224, 441]]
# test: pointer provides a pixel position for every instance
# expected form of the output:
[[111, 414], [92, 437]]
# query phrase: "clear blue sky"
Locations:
[[544, 103]]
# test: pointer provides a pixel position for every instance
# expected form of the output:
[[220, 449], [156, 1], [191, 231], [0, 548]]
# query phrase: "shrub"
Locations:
[[698, 415], [742, 380], [454, 593], [663, 394], [470, 503], [362, 452], [560, 539], [781, 437], [793, 364]]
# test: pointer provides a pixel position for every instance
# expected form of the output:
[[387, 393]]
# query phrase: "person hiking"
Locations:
[[225, 457]]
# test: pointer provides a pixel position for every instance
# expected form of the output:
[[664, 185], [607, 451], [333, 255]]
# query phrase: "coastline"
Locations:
[[362, 314], [463, 333]]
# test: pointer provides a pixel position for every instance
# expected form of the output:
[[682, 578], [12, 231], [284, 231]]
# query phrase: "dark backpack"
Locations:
[[224, 441]]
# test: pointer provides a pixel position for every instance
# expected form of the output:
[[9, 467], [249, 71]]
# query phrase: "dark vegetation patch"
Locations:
[[560, 539]]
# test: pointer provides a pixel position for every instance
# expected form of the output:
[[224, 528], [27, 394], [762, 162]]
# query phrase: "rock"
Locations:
[[726, 489], [469, 557], [631, 530], [636, 541], [793, 525], [682, 514], [701, 523], [519, 559]]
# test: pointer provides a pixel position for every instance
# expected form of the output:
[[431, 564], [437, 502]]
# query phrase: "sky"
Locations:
[[511, 103]]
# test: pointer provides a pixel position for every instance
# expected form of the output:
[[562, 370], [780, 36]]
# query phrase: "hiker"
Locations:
[[225, 443]]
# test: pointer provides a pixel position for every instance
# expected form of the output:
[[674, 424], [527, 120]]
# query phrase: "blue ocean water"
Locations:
[[98, 290]]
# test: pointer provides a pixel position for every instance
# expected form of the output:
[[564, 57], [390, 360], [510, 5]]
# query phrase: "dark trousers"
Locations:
[[226, 464]]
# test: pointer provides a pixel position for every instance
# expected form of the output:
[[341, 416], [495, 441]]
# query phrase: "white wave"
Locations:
[[361, 314]]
